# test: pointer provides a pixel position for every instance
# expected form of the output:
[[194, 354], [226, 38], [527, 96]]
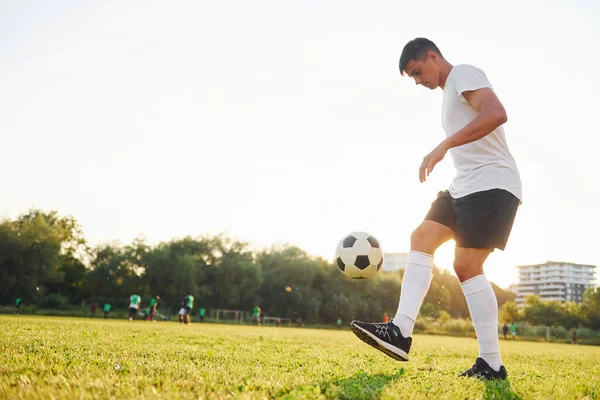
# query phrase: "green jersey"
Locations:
[[152, 302], [256, 311], [513, 329], [106, 307], [17, 301], [135, 299], [202, 312], [189, 301]]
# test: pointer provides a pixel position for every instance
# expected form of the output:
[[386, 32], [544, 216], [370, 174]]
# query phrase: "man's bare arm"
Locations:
[[491, 114]]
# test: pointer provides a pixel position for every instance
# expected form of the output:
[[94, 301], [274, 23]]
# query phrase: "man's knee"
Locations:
[[462, 270], [468, 263], [419, 241], [429, 236], [466, 270]]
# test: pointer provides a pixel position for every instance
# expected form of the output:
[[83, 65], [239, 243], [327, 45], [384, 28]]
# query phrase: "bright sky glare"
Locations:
[[288, 122]]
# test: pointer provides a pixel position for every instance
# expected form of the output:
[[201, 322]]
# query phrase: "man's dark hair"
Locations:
[[417, 49]]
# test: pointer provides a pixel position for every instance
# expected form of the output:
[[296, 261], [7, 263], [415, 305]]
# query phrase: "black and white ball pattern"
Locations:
[[359, 255]]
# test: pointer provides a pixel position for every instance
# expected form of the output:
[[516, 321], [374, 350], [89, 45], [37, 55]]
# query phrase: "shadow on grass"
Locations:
[[499, 390], [358, 386]]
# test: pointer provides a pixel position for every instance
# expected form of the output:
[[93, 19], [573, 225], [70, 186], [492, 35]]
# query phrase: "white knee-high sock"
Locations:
[[483, 307], [415, 284]]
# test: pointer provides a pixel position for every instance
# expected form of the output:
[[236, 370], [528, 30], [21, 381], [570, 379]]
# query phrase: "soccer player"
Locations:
[[106, 310], [202, 314], [256, 314], [188, 305], [134, 306], [18, 305], [181, 313], [153, 306], [93, 309], [477, 210]]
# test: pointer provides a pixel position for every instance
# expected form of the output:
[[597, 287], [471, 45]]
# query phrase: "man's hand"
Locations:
[[430, 160]]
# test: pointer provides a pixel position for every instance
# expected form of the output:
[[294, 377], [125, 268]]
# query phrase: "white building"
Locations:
[[553, 280], [394, 261]]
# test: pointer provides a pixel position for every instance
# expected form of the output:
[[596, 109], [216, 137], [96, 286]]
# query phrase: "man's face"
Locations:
[[425, 72]]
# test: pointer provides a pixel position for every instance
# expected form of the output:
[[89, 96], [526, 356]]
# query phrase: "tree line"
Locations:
[[45, 260], [554, 313]]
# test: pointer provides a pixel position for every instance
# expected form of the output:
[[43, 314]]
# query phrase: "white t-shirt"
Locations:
[[485, 163]]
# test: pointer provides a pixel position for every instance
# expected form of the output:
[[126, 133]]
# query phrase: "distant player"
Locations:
[[134, 306], [202, 314], [153, 306], [17, 305], [477, 211], [188, 302], [106, 310], [93, 309], [256, 314]]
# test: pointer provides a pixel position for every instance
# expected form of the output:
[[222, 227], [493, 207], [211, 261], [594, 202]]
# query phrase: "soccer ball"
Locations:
[[359, 255]]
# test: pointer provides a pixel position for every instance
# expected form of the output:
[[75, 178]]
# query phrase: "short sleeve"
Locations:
[[470, 78]]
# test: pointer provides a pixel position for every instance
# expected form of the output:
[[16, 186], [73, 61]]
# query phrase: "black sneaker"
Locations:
[[482, 370], [385, 337]]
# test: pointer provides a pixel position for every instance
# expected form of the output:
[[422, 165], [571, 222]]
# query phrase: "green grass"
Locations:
[[45, 357]]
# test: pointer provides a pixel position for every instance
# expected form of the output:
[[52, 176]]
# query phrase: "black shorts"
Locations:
[[481, 220]]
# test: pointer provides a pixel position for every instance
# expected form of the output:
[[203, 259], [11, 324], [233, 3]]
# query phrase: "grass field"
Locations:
[[73, 358]]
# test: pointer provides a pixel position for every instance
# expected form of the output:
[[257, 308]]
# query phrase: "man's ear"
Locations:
[[432, 55]]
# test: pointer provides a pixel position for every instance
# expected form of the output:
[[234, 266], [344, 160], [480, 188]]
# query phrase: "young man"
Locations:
[[256, 314], [93, 309], [188, 302], [134, 306], [153, 306], [477, 211], [106, 310], [18, 306]]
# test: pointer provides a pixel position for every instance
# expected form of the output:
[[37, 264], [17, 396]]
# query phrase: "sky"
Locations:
[[288, 122]]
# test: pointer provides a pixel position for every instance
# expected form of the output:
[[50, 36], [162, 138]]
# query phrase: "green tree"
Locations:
[[590, 308], [537, 312], [35, 249], [239, 276], [111, 275], [509, 312], [289, 266], [570, 317], [171, 269]]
